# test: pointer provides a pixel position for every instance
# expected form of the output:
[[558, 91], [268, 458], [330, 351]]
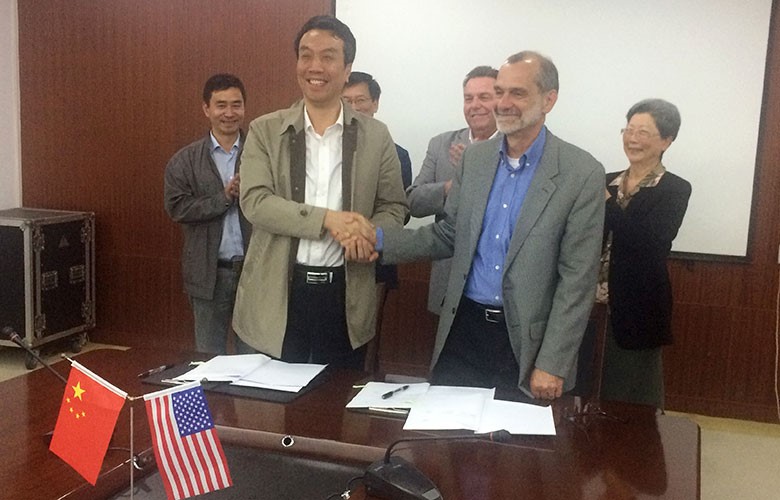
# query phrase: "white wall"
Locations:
[[706, 56], [10, 142]]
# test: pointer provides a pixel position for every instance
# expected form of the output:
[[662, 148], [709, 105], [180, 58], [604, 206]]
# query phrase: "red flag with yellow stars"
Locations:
[[90, 408]]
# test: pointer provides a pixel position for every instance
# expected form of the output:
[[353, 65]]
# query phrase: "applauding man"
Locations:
[[431, 188], [201, 193]]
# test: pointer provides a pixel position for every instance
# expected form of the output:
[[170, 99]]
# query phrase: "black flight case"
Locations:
[[47, 276]]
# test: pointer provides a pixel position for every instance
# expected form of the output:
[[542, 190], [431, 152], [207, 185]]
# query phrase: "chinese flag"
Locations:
[[90, 408]]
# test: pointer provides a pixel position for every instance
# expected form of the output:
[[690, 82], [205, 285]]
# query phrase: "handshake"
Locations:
[[355, 233]]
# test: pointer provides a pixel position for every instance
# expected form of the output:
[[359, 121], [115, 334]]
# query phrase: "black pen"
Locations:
[[154, 370], [390, 394]]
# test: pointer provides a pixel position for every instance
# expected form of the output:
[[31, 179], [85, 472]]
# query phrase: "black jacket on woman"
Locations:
[[640, 293]]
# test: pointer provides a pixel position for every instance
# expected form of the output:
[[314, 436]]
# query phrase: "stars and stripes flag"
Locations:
[[88, 414], [188, 452]]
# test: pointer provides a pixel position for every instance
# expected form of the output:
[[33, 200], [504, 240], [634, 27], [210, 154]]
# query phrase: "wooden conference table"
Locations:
[[645, 455]]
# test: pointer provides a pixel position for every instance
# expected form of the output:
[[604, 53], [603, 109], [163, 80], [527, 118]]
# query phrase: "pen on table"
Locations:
[[172, 381], [154, 370], [390, 394]]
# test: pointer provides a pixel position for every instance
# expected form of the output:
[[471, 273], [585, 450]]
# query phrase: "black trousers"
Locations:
[[316, 320], [477, 352]]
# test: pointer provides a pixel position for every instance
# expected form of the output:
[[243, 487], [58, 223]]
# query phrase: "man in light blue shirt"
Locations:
[[201, 193]]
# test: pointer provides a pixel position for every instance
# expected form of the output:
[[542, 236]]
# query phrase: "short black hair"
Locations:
[[480, 72], [330, 23], [357, 77], [222, 81]]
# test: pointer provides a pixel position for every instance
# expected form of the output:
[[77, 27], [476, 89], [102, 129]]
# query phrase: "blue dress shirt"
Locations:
[[232, 243], [510, 186]]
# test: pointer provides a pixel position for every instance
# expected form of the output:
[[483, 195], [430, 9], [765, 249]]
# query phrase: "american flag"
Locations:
[[188, 452]]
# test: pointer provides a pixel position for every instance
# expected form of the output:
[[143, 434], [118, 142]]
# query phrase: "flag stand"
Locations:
[[184, 405], [132, 456], [133, 461]]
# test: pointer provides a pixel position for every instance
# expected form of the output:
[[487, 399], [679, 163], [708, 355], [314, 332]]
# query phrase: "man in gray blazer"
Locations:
[[523, 225], [429, 190]]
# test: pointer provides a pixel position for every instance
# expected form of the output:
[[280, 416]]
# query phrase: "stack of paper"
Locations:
[[469, 408], [254, 370]]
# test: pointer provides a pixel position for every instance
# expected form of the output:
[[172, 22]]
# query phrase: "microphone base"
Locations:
[[399, 480]]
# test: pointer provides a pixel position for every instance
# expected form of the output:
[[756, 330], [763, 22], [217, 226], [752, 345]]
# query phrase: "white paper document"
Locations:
[[281, 376], [224, 368], [456, 408], [517, 418], [371, 395], [254, 370], [444, 408]]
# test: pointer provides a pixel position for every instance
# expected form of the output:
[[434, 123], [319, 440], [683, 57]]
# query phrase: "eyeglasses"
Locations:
[[640, 133], [357, 101]]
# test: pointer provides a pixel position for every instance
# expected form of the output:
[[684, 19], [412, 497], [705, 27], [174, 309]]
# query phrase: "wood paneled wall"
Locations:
[[723, 359], [110, 90]]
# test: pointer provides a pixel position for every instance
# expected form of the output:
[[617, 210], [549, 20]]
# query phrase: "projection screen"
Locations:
[[706, 56]]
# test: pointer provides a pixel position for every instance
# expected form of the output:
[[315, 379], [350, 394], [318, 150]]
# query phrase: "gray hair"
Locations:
[[666, 115], [547, 77]]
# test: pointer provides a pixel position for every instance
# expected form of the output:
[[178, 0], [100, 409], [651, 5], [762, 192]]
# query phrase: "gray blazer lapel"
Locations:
[[536, 199], [462, 138], [477, 190]]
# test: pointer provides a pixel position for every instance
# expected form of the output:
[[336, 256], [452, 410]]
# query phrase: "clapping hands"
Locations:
[[355, 233]]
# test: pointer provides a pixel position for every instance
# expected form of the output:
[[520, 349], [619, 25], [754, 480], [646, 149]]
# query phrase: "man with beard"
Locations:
[[523, 225]]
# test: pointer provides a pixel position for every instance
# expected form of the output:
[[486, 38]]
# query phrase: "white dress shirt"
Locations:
[[323, 189]]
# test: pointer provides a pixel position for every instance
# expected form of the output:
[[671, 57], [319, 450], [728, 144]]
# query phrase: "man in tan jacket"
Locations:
[[311, 175]]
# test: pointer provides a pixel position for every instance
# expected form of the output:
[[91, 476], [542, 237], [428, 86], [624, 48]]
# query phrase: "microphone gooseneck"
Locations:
[[501, 436], [14, 337], [397, 479]]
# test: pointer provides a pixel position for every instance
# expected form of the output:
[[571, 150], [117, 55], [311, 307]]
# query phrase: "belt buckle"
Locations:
[[313, 278], [493, 315]]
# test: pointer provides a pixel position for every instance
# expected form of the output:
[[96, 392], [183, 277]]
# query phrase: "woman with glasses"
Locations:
[[645, 205]]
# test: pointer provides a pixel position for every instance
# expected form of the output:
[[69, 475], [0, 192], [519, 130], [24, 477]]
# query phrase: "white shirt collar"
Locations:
[[471, 136], [307, 121]]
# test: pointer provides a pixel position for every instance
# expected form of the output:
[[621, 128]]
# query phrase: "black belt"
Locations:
[[235, 265], [316, 275], [492, 314]]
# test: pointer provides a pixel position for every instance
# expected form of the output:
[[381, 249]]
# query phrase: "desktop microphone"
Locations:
[[394, 478], [16, 339]]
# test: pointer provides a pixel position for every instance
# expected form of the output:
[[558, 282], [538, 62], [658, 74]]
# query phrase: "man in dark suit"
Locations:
[[362, 92], [523, 225]]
